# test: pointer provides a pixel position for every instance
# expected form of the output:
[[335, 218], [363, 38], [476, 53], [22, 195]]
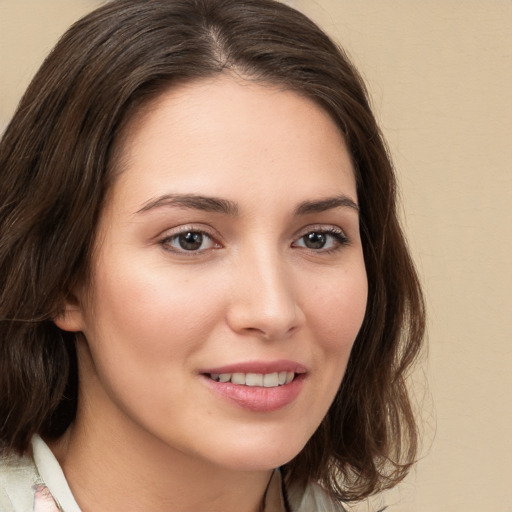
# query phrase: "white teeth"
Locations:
[[267, 380], [271, 380], [238, 378], [254, 379]]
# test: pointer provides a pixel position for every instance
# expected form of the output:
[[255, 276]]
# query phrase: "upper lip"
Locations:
[[258, 367]]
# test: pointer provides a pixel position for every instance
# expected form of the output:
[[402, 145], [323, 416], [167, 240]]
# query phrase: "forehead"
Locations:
[[219, 134]]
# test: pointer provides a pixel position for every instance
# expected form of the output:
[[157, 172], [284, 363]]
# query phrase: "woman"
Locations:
[[203, 276]]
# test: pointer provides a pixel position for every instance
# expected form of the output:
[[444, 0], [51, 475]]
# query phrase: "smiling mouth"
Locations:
[[260, 390], [266, 380]]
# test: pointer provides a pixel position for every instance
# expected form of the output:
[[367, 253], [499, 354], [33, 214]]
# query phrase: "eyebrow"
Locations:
[[323, 205], [196, 202], [227, 207]]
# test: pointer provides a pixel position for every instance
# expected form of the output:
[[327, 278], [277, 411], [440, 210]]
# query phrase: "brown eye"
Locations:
[[188, 241], [323, 240], [315, 240]]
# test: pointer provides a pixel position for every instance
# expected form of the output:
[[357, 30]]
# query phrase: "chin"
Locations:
[[262, 454]]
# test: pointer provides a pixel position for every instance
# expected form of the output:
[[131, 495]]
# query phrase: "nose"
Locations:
[[264, 299]]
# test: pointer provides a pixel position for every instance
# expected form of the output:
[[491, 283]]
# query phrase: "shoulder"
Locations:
[[18, 480]]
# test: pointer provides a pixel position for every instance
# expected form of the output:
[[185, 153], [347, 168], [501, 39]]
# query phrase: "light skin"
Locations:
[[271, 270]]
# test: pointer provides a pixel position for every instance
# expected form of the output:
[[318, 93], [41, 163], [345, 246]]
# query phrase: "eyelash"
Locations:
[[339, 236], [340, 240], [166, 242]]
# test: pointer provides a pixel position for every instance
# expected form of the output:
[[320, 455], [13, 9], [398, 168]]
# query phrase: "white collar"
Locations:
[[52, 476]]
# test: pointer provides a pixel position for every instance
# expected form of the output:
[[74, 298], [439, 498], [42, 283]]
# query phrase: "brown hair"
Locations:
[[55, 167]]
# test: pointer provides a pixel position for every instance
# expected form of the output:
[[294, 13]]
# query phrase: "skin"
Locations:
[[150, 433]]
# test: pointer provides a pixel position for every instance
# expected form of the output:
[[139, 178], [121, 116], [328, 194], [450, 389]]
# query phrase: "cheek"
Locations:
[[338, 315], [340, 310], [151, 311], [146, 328], [335, 314]]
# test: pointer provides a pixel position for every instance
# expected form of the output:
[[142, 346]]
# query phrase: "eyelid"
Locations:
[[322, 228], [335, 231], [188, 228]]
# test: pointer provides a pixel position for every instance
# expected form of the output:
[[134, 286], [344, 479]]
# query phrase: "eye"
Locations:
[[189, 241], [322, 239]]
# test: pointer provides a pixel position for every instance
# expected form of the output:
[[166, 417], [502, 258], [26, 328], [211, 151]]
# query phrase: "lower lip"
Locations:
[[256, 398]]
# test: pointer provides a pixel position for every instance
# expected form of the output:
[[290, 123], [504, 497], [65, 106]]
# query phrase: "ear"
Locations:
[[71, 317]]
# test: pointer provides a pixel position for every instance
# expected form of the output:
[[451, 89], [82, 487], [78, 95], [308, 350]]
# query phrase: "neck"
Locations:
[[119, 469]]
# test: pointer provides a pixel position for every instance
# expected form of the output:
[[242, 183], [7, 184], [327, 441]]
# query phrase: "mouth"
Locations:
[[265, 380], [257, 386]]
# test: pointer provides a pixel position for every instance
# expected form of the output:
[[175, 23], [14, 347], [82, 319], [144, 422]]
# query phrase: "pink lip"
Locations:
[[255, 398]]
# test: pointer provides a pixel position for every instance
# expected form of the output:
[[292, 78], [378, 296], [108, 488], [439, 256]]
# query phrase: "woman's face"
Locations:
[[228, 283]]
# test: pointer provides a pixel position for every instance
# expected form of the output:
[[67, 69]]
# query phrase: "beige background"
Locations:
[[440, 75]]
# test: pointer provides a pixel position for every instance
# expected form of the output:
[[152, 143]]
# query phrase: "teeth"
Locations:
[[238, 378], [267, 380], [254, 379], [271, 380]]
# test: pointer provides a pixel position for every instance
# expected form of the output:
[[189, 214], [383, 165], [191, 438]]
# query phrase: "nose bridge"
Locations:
[[264, 298]]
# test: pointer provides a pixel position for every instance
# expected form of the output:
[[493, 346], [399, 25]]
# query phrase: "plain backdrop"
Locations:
[[439, 73]]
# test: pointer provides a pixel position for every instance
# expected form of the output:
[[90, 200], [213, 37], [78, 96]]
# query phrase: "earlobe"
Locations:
[[70, 318]]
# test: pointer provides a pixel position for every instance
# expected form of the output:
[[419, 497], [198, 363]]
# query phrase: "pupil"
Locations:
[[191, 241], [315, 240]]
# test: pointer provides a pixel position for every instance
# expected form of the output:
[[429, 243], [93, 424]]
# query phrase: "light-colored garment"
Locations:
[[36, 483]]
